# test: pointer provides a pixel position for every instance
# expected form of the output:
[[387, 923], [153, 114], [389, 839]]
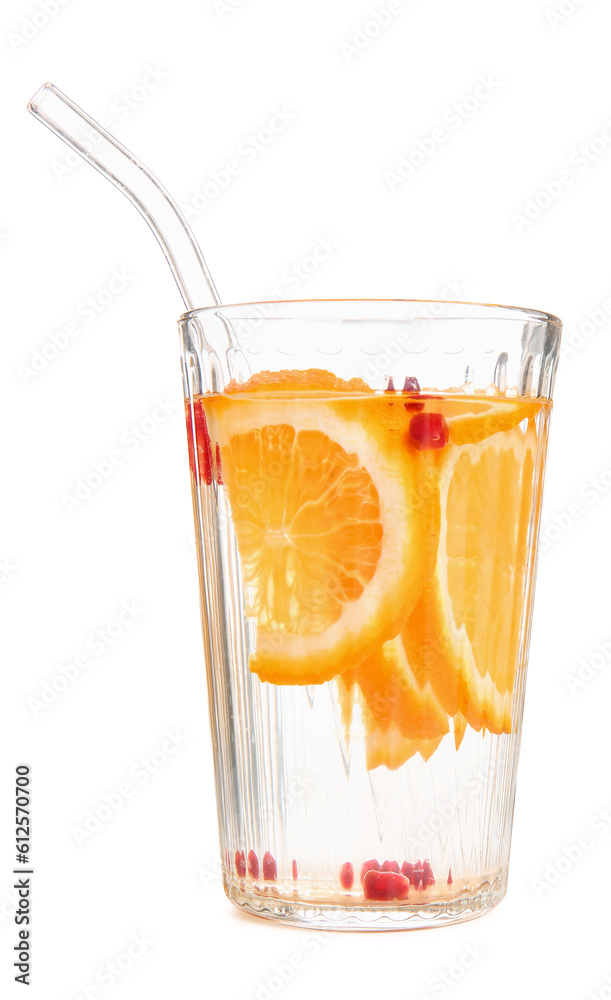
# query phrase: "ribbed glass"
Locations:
[[294, 791]]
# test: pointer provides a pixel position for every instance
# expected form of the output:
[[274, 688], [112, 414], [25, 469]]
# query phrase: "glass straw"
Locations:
[[172, 231]]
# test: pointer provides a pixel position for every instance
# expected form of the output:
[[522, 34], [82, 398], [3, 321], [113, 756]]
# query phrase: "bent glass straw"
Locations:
[[172, 231]]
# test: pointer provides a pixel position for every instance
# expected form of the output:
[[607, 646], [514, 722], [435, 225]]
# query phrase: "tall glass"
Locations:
[[367, 545]]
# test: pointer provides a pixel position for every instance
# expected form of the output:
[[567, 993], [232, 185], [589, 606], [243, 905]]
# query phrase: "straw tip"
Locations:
[[39, 97]]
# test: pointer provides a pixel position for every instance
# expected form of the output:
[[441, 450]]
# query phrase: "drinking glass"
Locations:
[[378, 794]]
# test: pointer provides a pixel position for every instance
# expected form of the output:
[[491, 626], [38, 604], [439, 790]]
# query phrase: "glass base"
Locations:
[[432, 910]]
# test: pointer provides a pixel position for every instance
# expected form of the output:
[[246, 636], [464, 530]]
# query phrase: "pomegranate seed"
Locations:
[[407, 870], [450, 879], [369, 866], [428, 431], [240, 863], [385, 885], [346, 875], [429, 878], [417, 876], [390, 385], [202, 443], [269, 867], [253, 865], [295, 870], [412, 386], [391, 866]]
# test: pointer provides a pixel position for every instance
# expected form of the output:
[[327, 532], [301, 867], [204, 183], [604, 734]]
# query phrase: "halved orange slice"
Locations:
[[464, 633], [331, 518]]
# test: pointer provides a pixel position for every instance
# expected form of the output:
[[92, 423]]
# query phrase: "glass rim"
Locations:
[[489, 310]]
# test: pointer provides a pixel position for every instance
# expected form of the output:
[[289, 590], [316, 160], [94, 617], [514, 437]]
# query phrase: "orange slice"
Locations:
[[465, 630], [330, 514], [460, 728], [393, 695], [480, 418], [385, 743], [389, 748]]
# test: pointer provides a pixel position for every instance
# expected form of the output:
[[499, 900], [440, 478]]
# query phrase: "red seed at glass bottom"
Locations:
[[429, 878], [295, 875], [428, 431], [240, 864], [385, 886], [450, 879], [369, 866], [253, 865], [391, 866], [269, 867], [418, 879], [407, 870], [346, 875]]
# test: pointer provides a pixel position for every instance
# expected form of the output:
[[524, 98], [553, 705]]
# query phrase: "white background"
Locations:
[[218, 77]]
